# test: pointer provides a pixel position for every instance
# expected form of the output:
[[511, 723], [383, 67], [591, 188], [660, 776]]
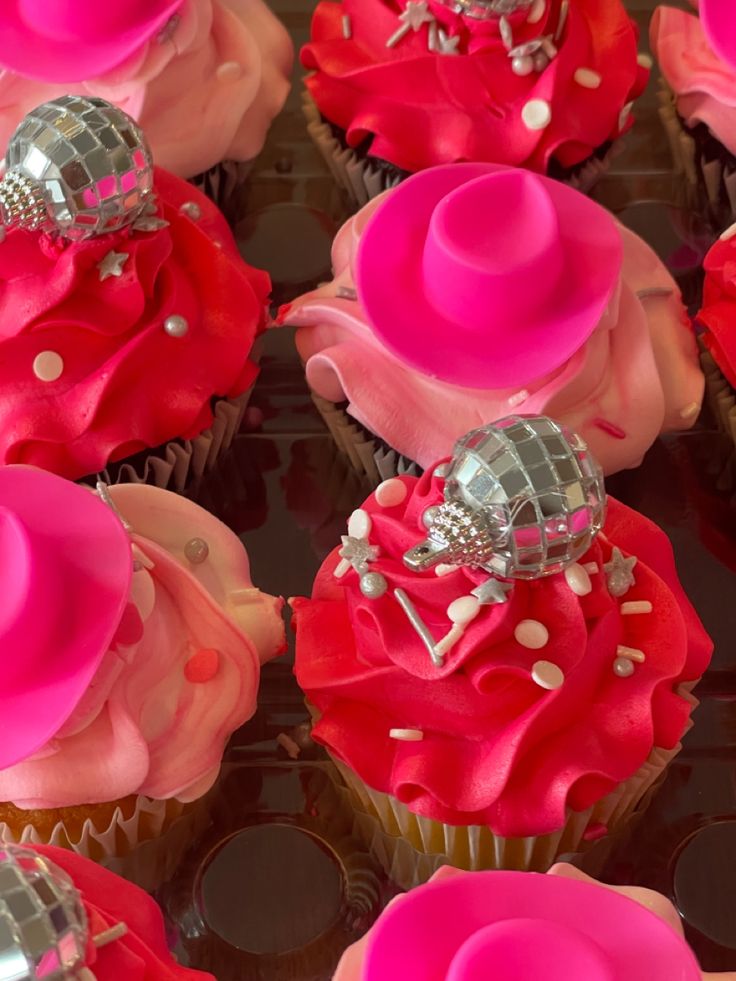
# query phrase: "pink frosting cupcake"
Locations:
[[581, 321], [142, 638], [507, 925], [396, 86], [204, 78]]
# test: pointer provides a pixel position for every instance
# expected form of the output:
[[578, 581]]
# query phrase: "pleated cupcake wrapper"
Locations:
[[721, 399], [361, 179], [411, 848], [223, 181]]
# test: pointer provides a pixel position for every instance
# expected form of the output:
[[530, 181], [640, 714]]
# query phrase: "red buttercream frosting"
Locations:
[[718, 313], [126, 385], [498, 749], [421, 108]]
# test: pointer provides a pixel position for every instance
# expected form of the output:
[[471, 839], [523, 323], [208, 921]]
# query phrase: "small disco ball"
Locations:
[[524, 498], [43, 926], [78, 167], [486, 9]]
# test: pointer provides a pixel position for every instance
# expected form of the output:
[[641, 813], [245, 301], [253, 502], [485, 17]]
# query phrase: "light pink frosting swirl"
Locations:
[[206, 94], [181, 677], [704, 85], [635, 377]]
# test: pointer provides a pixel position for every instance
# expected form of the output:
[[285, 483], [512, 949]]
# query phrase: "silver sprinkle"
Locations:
[[620, 573], [419, 625], [623, 667], [506, 32], [176, 325], [196, 550], [442, 470], [169, 29], [448, 45], [433, 41], [564, 8], [430, 515], [191, 209], [358, 552], [346, 293], [373, 585], [397, 36], [112, 264], [347, 27], [151, 207], [150, 224], [492, 591]]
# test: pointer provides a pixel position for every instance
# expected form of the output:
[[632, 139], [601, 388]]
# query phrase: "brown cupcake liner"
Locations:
[[721, 400], [223, 182]]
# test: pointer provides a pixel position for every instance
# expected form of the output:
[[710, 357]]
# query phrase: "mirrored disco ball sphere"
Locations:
[[485, 9], [43, 926], [524, 498], [76, 166]]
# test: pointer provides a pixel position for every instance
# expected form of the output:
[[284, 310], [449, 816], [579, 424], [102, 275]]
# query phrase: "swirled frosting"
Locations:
[[704, 85], [203, 93], [635, 377], [496, 747], [89, 374], [180, 677], [420, 108], [718, 313]]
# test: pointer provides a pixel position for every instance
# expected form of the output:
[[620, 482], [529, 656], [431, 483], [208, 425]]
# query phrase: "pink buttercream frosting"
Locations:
[[497, 749], [125, 384], [180, 677], [206, 93], [420, 108], [636, 376], [704, 84]]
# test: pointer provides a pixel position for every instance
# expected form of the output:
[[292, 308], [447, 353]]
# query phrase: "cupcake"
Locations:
[[547, 306], [141, 637], [697, 57], [62, 916], [397, 86], [507, 925], [127, 317], [203, 78], [499, 668]]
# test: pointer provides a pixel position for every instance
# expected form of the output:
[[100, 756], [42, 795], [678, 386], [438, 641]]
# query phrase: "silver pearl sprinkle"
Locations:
[[196, 550], [429, 516], [623, 667], [192, 210], [176, 326], [540, 61], [522, 65], [373, 585]]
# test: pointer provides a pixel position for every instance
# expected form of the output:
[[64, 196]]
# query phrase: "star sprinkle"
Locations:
[[492, 591], [150, 224], [619, 572], [112, 264], [447, 45], [416, 14], [358, 552]]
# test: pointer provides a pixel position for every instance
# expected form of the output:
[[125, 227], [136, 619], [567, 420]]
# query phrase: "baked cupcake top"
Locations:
[[118, 342], [602, 342], [718, 312], [204, 78], [500, 701], [142, 638], [421, 83], [464, 926], [82, 917]]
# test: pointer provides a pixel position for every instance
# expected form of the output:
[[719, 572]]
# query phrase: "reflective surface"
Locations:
[[279, 885]]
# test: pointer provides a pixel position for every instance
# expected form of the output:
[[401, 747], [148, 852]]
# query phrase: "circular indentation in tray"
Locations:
[[705, 882], [271, 888]]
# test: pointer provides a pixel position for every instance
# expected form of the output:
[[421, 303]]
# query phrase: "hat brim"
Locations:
[[718, 18], [389, 285], [97, 586], [46, 60]]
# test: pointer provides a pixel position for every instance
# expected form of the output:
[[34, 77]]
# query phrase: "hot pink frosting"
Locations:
[[718, 312], [635, 377], [126, 385], [423, 108], [181, 676], [704, 85], [497, 749], [208, 93]]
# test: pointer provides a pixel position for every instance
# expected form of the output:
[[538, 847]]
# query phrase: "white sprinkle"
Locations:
[[645, 61], [407, 735], [347, 27], [624, 115], [537, 12], [587, 78], [531, 634], [229, 71], [391, 493], [631, 653], [690, 410], [729, 233], [176, 325], [48, 366], [360, 524], [623, 668], [192, 210], [547, 675], [578, 579], [462, 610], [292, 748], [636, 606], [397, 35], [444, 569], [520, 397], [536, 114], [433, 41], [564, 10], [591, 568]]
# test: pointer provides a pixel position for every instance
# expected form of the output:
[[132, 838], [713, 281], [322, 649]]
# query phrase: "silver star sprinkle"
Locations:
[[447, 45], [112, 264], [416, 14], [150, 224], [619, 573], [492, 591], [358, 552]]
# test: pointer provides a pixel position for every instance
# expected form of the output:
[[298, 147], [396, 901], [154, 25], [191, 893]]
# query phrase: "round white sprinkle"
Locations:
[[578, 579], [176, 326], [532, 634], [587, 78], [196, 550], [547, 675], [536, 114], [537, 12], [360, 524], [48, 366], [407, 735], [522, 65], [636, 606], [391, 493], [192, 210], [623, 667], [463, 610], [645, 61], [373, 585], [429, 515]]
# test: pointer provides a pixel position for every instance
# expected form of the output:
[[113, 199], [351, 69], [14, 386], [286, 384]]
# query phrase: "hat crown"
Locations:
[[83, 20]]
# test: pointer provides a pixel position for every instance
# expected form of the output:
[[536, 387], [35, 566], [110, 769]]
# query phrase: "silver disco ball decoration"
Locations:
[[43, 926], [486, 9], [524, 498], [77, 167]]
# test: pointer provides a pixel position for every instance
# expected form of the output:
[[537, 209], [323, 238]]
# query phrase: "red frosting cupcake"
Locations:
[[717, 317]]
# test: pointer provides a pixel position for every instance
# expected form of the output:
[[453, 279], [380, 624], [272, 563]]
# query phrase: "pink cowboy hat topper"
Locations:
[[718, 18], [65, 571], [486, 276], [75, 40]]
